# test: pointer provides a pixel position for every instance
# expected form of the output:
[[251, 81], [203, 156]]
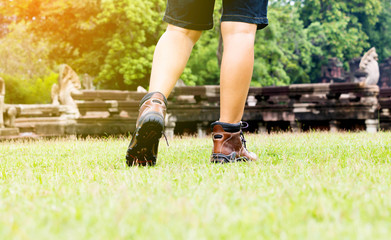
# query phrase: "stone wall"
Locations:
[[330, 106], [2, 107], [191, 109], [385, 73], [7, 115]]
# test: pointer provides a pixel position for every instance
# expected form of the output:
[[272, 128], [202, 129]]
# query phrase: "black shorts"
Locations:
[[198, 14]]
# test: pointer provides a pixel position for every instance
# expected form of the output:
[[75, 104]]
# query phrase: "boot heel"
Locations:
[[222, 158], [143, 148]]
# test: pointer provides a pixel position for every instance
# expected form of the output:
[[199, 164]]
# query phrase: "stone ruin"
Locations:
[[327, 106], [385, 73], [7, 115], [47, 119], [2, 107], [370, 67], [68, 84], [333, 72], [363, 70], [88, 82]]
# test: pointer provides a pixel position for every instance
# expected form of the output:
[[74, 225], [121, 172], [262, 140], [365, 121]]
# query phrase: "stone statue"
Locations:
[[370, 67], [54, 94], [180, 83], [9, 119], [88, 82], [2, 107], [68, 84], [7, 114], [141, 89]]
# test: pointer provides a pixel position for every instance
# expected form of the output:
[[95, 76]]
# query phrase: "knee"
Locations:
[[242, 30], [192, 35]]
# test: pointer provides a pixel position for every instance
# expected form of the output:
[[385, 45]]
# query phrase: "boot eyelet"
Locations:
[[157, 101], [218, 136]]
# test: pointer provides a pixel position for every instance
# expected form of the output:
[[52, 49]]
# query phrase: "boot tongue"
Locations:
[[228, 127]]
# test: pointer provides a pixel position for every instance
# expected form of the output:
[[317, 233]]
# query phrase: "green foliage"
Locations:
[[20, 90], [22, 55], [337, 28], [283, 53], [114, 40], [137, 28], [203, 67], [380, 34], [74, 35], [25, 66]]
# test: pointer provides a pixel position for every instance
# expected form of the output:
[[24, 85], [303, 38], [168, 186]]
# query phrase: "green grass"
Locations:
[[305, 186]]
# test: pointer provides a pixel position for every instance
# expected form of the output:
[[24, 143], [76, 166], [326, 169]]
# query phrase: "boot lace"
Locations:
[[165, 137], [243, 125]]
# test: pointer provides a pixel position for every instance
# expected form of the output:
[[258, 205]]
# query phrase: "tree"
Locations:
[[138, 27], [25, 66], [380, 34], [337, 28], [207, 51], [21, 55], [113, 40], [203, 67], [282, 50]]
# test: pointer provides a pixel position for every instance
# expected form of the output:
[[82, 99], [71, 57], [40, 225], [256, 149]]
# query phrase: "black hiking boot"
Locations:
[[143, 147]]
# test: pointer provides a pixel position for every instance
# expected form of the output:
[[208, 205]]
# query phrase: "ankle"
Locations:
[[228, 127], [230, 120]]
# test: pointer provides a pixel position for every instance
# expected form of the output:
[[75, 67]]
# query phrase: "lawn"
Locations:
[[305, 186]]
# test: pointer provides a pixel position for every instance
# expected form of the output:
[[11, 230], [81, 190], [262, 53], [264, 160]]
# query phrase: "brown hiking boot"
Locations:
[[144, 145], [229, 144]]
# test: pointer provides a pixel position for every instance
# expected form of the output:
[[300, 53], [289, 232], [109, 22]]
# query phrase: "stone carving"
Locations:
[[9, 119], [180, 83], [7, 115], [54, 94], [333, 71], [2, 108], [68, 84], [170, 122], [141, 89], [370, 67], [251, 101], [354, 66], [88, 82]]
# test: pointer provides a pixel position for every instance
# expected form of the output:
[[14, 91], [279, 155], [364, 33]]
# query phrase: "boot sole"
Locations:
[[147, 135], [222, 158]]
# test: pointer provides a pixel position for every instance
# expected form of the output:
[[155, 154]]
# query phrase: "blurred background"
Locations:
[[113, 42]]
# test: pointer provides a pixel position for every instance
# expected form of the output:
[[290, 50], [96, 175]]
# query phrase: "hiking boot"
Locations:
[[229, 144], [144, 145]]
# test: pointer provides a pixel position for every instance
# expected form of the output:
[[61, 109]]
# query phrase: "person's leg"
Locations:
[[235, 77], [236, 69], [187, 19], [171, 55], [170, 58]]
